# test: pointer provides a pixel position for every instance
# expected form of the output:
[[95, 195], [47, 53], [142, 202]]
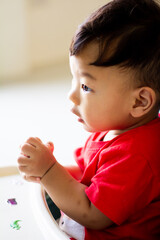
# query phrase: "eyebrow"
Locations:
[[86, 74]]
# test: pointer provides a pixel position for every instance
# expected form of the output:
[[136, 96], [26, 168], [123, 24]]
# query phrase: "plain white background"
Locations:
[[40, 108]]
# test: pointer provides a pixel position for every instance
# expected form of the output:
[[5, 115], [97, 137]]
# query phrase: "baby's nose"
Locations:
[[73, 96]]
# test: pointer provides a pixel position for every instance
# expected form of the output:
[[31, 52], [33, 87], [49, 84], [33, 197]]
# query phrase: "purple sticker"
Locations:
[[12, 201]]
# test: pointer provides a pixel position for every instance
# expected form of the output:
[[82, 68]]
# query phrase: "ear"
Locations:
[[143, 102]]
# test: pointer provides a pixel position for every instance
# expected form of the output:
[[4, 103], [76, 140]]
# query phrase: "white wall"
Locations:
[[37, 33], [14, 57]]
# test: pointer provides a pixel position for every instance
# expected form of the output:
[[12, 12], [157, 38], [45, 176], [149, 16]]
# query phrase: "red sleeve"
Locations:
[[122, 184]]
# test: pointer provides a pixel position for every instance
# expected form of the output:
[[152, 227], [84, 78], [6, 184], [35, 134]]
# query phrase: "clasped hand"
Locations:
[[35, 159]]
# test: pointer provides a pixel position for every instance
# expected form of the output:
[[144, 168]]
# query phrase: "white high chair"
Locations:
[[31, 213]]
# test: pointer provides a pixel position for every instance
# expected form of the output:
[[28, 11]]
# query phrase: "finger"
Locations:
[[38, 139], [50, 146], [28, 149], [23, 160], [24, 170], [31, 179], [35, 142]]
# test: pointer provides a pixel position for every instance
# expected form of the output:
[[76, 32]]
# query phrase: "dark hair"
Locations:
[[131, 28]]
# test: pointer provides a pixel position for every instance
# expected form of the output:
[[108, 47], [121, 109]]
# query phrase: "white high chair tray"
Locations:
[[30, 218]]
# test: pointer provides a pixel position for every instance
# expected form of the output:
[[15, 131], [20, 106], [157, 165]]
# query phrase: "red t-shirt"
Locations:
[[123, 179]]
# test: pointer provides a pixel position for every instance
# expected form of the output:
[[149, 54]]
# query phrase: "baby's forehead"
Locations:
[[81, 64]]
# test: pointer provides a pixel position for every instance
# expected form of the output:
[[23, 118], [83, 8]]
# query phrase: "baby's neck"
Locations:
[[114, 133], [110, 135]]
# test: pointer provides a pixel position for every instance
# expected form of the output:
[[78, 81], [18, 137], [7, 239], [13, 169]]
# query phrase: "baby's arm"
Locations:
[[67, 193], [74, 171]]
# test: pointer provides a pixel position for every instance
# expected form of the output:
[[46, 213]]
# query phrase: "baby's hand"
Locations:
[[35, 159]]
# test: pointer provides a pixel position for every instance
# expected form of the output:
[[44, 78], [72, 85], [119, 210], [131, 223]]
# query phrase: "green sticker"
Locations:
[[15, 225]]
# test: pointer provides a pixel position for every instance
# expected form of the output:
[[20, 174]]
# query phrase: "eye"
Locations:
[[85, 88]]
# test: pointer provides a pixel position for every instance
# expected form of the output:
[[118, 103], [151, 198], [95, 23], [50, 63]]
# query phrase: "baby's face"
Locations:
[[101, 96]]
